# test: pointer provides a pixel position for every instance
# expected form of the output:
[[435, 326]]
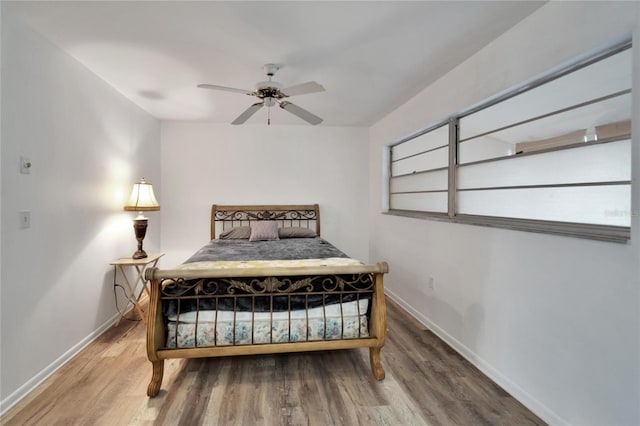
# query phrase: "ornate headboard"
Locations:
[[300, 215]]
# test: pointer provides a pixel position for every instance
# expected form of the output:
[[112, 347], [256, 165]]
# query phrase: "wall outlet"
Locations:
[[25, 219], [431, 283]]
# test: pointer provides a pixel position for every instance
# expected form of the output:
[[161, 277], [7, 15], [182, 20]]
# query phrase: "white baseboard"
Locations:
[[516, 391], [24, 390]]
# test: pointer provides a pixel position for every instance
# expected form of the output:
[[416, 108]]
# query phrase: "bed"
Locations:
[[265, 283]]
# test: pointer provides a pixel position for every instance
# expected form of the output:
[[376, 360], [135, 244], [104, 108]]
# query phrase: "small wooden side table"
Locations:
[[140, 266]]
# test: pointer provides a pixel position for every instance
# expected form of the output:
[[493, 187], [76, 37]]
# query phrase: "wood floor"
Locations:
[[427, 383]]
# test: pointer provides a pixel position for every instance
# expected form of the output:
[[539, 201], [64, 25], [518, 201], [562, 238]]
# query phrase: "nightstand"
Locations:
[[140, 265]]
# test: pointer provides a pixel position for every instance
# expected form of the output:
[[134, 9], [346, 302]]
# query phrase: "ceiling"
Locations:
[[370, 56]]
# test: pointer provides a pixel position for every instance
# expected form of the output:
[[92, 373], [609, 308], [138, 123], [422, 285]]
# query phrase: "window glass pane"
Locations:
[[418, 163], [428, 181], [603, 78], [434, 139], [484, 148], [601, 205], [429, 202], [606, 162], [606, 119]]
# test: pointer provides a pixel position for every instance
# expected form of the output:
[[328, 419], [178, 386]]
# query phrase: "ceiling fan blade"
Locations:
[[301, 112], [303, 88], [248, 113], [227, 89]]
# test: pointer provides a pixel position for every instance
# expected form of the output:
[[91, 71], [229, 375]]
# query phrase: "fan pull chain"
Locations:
[[268, 116]]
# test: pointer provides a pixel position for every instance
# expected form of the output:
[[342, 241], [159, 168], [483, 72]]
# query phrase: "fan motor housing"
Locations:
[[269, 89]]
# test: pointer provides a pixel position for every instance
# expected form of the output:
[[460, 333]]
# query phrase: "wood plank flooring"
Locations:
[[427, 383]]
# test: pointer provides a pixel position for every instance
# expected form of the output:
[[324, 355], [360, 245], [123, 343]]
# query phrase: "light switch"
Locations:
[[25, 219]]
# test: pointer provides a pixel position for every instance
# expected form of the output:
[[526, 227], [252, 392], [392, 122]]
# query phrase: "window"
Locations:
[[419, 172], [554, 156]]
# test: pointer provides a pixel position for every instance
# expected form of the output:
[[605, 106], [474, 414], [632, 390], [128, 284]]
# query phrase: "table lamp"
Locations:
[[141, 200]]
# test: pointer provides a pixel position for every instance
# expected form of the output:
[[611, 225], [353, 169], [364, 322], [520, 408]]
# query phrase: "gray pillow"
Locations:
[[236, 233], [295, 232]]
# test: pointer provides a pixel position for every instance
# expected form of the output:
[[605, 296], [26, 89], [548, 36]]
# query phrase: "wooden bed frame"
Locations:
[[224, 217]]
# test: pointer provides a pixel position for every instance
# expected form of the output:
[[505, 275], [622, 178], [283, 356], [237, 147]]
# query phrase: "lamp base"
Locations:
[[139, 254], [140, 228]]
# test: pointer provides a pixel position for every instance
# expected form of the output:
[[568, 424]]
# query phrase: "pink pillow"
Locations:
[[264, 230]]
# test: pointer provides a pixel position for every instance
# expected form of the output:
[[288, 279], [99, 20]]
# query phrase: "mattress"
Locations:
[[223, 328]]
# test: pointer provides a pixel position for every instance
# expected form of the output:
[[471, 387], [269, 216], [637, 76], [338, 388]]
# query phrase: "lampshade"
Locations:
[[142, 198]]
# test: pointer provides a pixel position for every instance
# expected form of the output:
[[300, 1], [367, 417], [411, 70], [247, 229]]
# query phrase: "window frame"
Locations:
[[389, 155], [601, 232]]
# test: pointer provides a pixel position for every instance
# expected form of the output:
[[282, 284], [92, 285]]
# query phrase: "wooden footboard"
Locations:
[[195, 289]]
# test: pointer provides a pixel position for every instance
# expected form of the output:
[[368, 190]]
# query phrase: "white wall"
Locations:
[[204, 164], [1, 73], [88, 144], [555, 320]]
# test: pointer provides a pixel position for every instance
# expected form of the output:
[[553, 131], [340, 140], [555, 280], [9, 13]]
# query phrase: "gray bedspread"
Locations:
[[285, 249]]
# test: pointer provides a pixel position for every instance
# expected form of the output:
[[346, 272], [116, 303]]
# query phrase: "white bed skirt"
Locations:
[[216, 328]]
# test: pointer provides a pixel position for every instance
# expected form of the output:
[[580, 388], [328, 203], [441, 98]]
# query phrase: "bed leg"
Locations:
[[376, 365], [156, 378]]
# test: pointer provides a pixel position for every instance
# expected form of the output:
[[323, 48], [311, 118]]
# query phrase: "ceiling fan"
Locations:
[[271, 93]]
